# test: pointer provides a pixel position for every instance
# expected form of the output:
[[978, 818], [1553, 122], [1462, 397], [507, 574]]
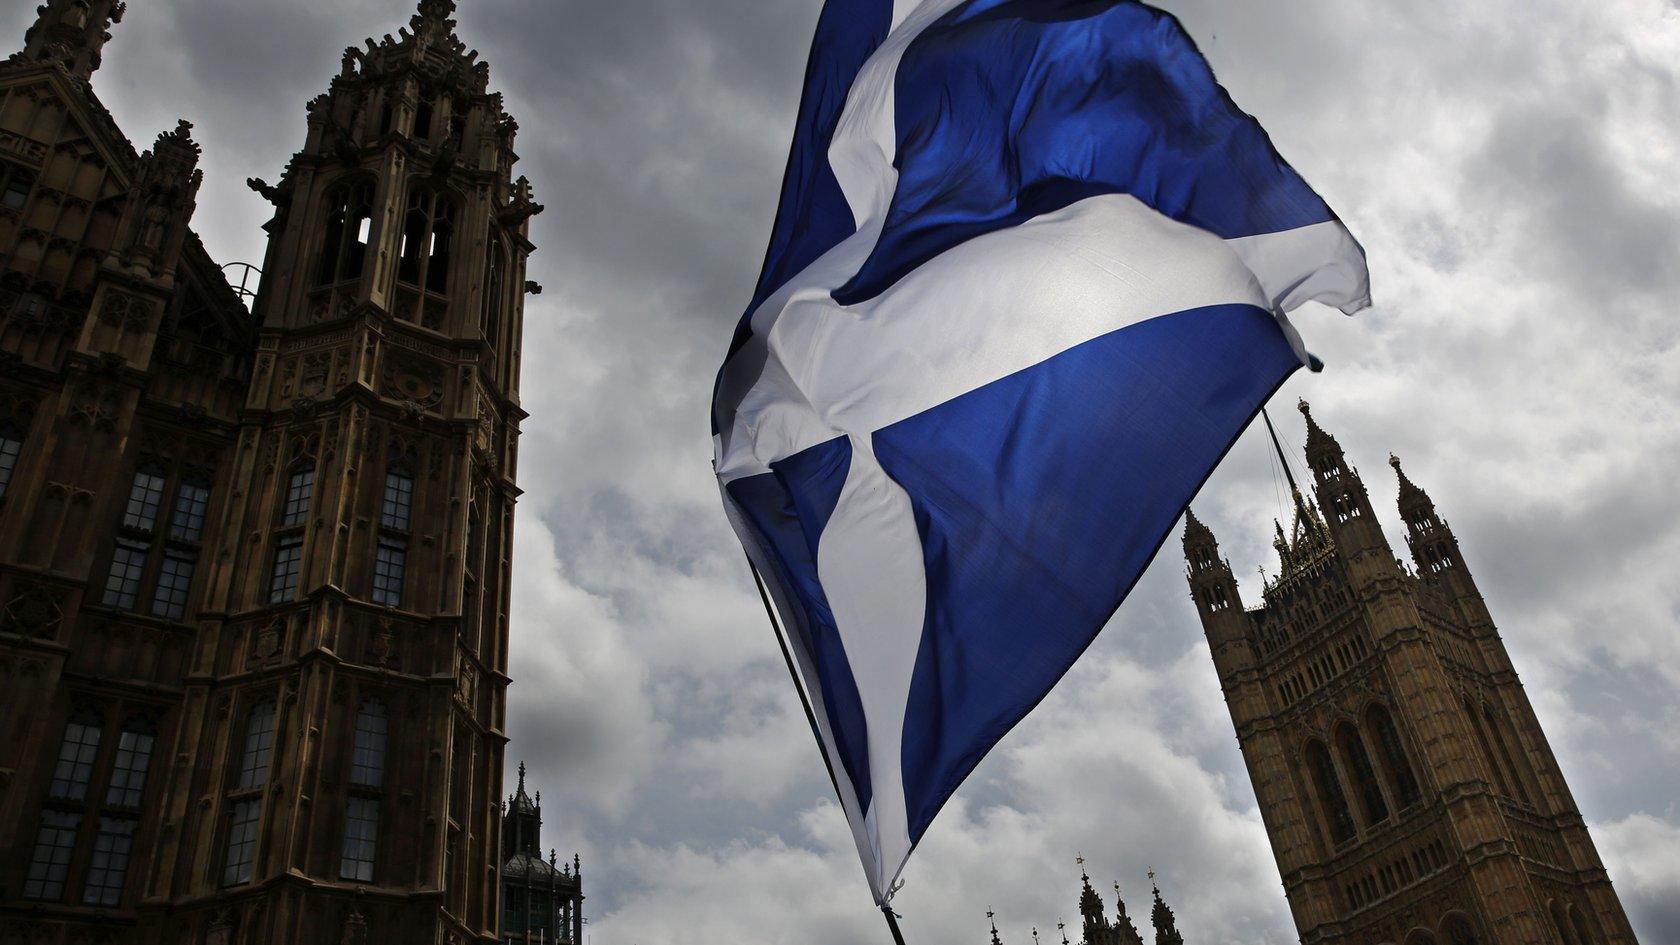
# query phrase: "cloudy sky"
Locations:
[[1509, 166]]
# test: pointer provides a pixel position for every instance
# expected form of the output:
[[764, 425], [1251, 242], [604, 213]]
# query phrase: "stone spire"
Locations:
[[1125, 933], [71, 33], [1166, 928], [1415, 504]]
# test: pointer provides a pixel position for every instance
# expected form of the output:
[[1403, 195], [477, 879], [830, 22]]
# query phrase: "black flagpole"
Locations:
[[810, 716]]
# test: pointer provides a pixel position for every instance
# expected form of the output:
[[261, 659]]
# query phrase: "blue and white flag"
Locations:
[[1024, 289]]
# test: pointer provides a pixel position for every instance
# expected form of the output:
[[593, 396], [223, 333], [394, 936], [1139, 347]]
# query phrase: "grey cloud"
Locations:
[[1519, 359]]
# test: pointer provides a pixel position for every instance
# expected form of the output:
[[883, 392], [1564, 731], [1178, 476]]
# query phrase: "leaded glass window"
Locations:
[[367, 762], [50, 861], [190, 504], [109, 865], [259, 745], [144, 497], [288, 560], [75, 758], [128, 563], [128, 771], [169, 601], [299, 487], [390, 559], [10, 447], [399, 500], [241, 842], [361, 835]]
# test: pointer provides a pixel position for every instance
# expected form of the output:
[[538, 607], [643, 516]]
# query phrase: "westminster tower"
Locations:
[[1408, 791]]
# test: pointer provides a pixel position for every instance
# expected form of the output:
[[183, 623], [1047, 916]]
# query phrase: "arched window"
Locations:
[[1456, 929], [1513, 761], [1555, 909], [1333, 803], [1488, 757], [1420, 937], [1579, 922], [349, 219], [427, 240], [1357, 762], [1400, 777]]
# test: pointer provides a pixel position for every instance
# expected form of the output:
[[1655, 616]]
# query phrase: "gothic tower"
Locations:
[[1409, 793], [254, 565]]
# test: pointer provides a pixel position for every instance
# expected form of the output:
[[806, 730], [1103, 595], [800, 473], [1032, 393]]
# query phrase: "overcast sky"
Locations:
[[1510, 167]]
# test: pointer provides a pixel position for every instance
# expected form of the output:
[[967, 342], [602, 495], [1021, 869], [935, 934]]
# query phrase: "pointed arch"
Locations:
[[1402, 781], [1457, 930], [1332, 803], [1356, 761], [346, 227], [428, 237]]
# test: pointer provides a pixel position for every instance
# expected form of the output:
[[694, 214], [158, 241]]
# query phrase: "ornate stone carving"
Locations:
[[33, 610]]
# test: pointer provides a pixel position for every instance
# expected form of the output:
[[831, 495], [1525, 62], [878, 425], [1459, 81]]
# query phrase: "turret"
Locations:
[[1342, 497], [402, 205], [1434, 547], [1214, 588], [1166, 927], [72, 34]]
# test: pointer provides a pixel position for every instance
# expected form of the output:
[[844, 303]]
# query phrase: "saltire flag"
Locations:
[[1024, 288]]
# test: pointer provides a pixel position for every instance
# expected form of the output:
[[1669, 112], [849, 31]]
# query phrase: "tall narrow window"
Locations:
[[11, 445], [48, 865], [1488, 758], [423, 119], [1511, 760], [187, 524], [1580, 923], [300, 486], [344, 242], [1358, 763], [398, 501], [288, 561], [109, 865], [1399, 769], [259, 745], [144, 496], [75, 756], [128, 564], [427, 243], [367, 761], [128, 771], [241, 842], [1337, 815], [495, 265], [1558, 919], [361, 835], [170, 599], [15, 183], [391, 558]]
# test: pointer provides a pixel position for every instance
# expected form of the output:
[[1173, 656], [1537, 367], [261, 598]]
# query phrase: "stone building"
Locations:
[[1096, 928], [254, 563], [1409, 793], [542, 900]]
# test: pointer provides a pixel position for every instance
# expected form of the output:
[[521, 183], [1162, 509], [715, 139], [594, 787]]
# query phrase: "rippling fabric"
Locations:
[[1025, 287]]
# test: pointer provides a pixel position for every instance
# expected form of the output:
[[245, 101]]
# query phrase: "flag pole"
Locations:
[[810, 715]]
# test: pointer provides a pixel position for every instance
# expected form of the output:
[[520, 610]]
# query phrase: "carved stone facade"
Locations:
[[1410, 795], [254, 565]]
